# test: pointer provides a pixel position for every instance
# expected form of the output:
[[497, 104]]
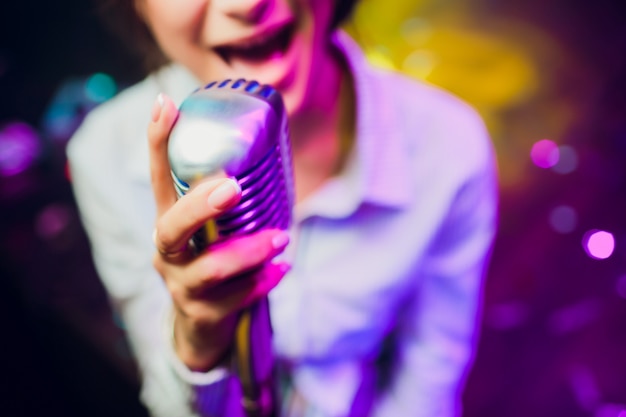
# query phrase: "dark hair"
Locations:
[[121, 18], [343, 9]]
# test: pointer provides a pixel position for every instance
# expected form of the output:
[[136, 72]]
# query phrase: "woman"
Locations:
[[374, 307]]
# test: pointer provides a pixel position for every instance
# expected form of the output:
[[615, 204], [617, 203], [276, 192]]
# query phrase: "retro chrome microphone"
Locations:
[[240, 128]]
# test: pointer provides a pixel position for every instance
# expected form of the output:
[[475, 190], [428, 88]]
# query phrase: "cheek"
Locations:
[[174, 23]]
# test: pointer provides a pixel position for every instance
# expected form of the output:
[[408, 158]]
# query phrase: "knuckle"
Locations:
[[177, 292], [261, 248], [157, 262], [163, 239], [215, 271], [216, 265], [197, 214], [194, 209], [201, 314], [154, 139]]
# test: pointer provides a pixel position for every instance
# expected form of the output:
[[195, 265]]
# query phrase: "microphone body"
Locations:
[[239, 128]]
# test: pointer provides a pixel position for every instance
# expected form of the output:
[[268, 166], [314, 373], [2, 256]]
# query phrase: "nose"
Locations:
[[246, 11]]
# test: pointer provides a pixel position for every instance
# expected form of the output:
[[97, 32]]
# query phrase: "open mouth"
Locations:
[[259, 48]]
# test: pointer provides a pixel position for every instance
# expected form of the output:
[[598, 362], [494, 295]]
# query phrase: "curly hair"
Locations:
[[121, 18]]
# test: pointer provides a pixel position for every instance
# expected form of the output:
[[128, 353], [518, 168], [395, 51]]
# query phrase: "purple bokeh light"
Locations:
[[620, 287], [52, 221], [563, 219], [574, 317], [545, 154], [19, 148], [585, 387], [610, 410], [567, 160], [598, 244], [507, 316]]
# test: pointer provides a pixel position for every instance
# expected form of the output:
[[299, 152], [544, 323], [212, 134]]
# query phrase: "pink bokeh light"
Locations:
[[545, 153], [598, 244]]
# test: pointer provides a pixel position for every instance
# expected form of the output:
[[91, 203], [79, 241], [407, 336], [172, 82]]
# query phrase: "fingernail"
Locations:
[[284, 267], [280, 240], [156, 108], [224, 194]]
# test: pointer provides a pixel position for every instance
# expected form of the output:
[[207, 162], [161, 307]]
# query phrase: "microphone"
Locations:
[[240, 128]]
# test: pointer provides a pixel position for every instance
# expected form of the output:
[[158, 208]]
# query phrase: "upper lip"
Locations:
[[259, 38]]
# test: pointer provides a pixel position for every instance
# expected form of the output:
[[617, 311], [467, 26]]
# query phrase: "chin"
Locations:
[[296, 96], [292, 105], [294, 100]]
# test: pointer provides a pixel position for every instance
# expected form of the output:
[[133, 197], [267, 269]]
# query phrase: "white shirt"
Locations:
[[392, 252]]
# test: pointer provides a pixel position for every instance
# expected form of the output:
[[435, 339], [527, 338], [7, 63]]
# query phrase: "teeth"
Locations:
[[258, 47]]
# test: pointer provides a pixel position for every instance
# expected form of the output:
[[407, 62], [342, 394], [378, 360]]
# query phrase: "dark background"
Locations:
[[553, 337]]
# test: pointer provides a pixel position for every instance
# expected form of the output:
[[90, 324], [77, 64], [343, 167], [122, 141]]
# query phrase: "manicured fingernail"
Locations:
[[280, 240], [156, 108], [224, 194], [284, 267]]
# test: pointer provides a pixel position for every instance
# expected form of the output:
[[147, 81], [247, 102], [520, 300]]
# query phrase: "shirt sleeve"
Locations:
[[215, 393], [436, 338], [118, 213]]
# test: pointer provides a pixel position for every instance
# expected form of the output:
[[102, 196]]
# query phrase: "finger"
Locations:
[[233, 258], [233, 295], [164, 114], [177, 256], [207, 200], [265, 281]]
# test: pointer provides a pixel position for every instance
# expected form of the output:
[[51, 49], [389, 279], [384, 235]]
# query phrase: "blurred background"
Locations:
[[549, 78]]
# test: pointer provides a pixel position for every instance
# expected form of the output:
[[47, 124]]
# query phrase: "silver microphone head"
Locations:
[[240, 128]]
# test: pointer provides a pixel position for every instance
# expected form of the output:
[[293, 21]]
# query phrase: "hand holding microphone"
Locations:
[[210, 288]]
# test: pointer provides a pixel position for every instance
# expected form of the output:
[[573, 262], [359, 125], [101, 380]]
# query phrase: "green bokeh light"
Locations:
[[100, 87]]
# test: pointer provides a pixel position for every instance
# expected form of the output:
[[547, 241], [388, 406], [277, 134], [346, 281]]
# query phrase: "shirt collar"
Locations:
[[377, 171], [176, 81]]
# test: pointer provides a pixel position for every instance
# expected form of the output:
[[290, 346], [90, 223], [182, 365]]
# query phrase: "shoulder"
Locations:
[[444, 147], [424, 117], [122, 121], [113, 123], [430, 114], [434, 132]]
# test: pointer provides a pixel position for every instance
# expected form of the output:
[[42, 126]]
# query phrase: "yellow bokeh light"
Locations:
[[497, 66]]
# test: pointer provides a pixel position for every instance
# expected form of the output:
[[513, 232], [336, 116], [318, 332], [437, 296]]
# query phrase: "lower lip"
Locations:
[[278, 70]]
